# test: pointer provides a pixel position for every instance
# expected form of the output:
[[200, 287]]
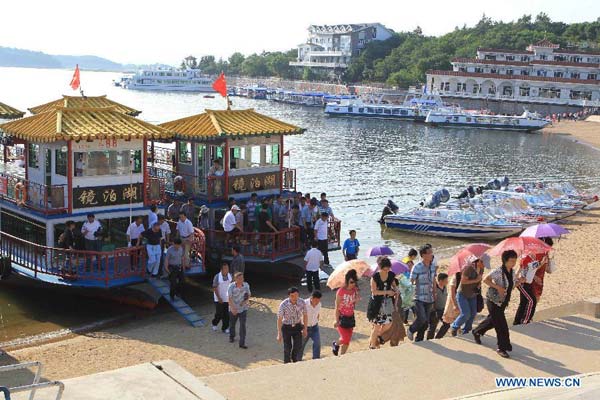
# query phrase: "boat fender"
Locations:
[[20, 194]]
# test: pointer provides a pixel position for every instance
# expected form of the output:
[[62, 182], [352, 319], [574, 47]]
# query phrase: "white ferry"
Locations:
[[414, 108], [527, 121], [188, 80]]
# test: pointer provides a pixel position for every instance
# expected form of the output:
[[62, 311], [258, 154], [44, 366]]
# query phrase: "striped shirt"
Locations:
[[425, 278], [292, 314]]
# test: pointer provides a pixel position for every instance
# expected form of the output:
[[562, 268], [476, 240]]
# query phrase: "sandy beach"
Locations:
[[204, 352]]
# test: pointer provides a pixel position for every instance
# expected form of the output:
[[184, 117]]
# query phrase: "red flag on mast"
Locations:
[[75, 80], [220, 85]]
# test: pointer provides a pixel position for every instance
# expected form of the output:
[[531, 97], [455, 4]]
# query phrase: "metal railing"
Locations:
[[289, 179], [35, 385], [267, 245], [47, 199], [101, 266]]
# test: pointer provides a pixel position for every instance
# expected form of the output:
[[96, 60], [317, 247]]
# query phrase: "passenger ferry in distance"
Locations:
[[176, 80], [456, 117], [414, 107]]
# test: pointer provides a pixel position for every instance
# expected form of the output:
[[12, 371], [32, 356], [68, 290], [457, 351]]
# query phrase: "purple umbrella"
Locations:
[[397, 268], [379, 251], [544, 230]]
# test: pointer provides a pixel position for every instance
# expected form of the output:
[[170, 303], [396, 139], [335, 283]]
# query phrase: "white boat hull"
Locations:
[[504, 123], [450, 228]]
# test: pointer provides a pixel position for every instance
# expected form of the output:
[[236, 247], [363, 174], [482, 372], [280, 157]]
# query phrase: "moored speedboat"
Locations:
[[452, 223], [527, 122]]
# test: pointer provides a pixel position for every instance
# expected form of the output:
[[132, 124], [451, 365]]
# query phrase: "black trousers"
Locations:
[[310, 237], [292, 343], [497, 320], [221, 314], [527, 304], [312, 280], [324, 247], [434, 319], [176, 278]]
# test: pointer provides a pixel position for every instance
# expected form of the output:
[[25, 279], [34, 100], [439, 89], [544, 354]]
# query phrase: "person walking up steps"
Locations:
[[313, 262], [345, 300], [239, 302], [423, 277], [292, 323], [313, 313]]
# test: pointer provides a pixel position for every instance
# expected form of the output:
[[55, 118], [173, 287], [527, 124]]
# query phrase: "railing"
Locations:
[[257, 244], [47, 199], [198, 248], [289, 179], [189, 185], [101, 266], [35, 385]]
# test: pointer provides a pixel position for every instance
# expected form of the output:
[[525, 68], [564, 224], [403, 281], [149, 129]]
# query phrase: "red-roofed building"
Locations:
[[543, 74]]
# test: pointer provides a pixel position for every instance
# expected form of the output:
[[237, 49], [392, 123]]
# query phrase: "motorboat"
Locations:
[[457, 117], [471, 224]]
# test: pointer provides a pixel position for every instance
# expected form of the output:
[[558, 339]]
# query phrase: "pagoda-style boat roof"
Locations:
[[82, 124], [8, 112], [229, 123], [84, 102]]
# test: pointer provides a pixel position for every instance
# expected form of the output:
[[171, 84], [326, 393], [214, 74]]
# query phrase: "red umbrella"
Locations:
[[522, 245], [461, 259]]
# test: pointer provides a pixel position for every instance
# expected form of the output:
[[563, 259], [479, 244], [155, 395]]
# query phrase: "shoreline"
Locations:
[[204, 352]]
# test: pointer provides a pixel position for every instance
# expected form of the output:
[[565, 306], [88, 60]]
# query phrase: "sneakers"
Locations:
[[214, 328], [243, 346], [502, 353], [477, 337], [335, 348], [410, 335]]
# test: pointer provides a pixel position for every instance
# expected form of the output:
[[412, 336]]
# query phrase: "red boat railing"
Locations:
[[269, 245], [76, 265], [198, 247], [47, 199]]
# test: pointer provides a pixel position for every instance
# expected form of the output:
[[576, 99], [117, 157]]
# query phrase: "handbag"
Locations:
[[347, 321], [551, 267]]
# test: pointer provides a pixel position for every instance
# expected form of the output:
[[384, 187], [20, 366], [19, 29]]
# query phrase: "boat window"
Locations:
[[379, 110], [60, 164], [395, 111], [369, 109], [468, 119], [272, 154], [387, 111], [456, 119], [361, 110], [33, 155], [403, 112], [112, 162], [350, 109], [254, 156], [185, 153]]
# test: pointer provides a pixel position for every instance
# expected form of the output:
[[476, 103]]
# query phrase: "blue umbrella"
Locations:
[[379, 251]]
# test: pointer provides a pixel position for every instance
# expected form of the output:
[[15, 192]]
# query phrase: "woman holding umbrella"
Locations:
[[383, 297], [530, 292], [500, 282], [345, 300]]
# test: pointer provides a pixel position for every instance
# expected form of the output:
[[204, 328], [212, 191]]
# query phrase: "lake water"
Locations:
[[358, 163]]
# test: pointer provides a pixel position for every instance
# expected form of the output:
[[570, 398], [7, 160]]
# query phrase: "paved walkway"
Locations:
[[440, 369]]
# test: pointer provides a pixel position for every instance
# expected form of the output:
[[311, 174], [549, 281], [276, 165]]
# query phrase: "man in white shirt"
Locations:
[[230, 223], [313, 312], [185, 229], [220, 286], [321, 229], [134, 232], [313, 261], [152, 216], [93, 242]]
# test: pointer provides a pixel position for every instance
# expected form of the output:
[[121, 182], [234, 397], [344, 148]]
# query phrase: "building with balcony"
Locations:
[[331, 47], [542, 74]]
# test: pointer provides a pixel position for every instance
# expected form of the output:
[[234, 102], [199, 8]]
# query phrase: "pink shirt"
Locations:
[[348, 300]]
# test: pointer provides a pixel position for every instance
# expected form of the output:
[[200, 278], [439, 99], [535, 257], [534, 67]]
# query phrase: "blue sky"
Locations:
[[133, 31]]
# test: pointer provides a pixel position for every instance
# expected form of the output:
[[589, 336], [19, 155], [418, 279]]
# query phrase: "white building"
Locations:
[[332, 47], [542, 74]]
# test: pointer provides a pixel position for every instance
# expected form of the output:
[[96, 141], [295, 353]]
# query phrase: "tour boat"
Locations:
[[414, 108], [453, 223], [456, 117], [176, 80]]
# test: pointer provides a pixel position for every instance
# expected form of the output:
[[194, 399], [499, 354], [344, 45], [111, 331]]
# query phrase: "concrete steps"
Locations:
[[437, 369]]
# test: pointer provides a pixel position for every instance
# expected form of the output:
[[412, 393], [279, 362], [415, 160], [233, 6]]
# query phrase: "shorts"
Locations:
[[345, 335]]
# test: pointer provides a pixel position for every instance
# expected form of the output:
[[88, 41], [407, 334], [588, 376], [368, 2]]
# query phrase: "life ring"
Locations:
[[20, 194]]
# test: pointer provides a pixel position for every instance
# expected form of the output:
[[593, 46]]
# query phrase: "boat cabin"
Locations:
[[77, 161]]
